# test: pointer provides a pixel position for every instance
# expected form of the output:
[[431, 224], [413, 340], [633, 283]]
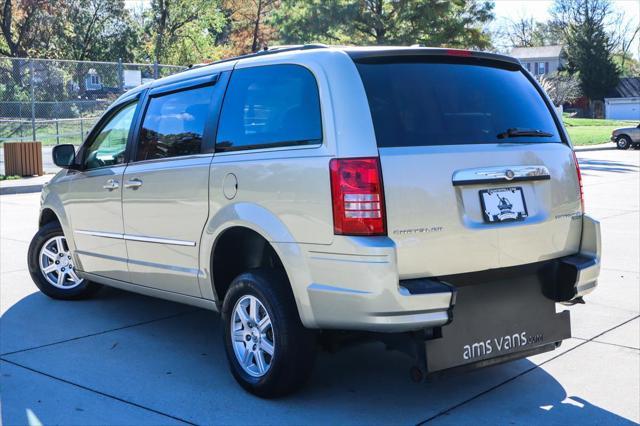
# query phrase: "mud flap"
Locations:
[[495, 322]]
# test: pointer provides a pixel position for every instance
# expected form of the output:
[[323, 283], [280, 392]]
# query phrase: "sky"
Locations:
[[539, 10]]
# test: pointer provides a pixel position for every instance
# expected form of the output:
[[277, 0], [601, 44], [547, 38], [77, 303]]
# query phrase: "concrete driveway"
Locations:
[[128, 359]]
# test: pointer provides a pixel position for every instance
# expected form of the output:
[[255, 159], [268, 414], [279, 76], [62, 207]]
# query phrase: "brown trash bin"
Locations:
[[23, 159]]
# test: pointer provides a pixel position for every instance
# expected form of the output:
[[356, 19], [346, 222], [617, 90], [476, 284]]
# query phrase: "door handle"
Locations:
[[111, 184], [134, 183]]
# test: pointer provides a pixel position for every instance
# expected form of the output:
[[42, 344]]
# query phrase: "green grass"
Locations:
[[46, 132], [574, 122], [590, 135], [10, 177], [587, 131]]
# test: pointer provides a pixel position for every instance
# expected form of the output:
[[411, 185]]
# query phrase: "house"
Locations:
[[92, 80], [540, 60], [623, 103], [95, 87]]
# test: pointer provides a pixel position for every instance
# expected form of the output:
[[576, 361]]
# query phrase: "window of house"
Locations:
[[270, 106], [542, 69], [174, 124]]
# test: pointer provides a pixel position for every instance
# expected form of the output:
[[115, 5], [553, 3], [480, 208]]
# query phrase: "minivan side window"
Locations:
[[174, 124], [108, 146], [270, 106]]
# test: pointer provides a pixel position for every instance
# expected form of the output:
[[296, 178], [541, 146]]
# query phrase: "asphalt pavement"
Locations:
[[123, 359]]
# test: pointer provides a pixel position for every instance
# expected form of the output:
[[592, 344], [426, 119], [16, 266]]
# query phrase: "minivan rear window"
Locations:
[[433, 103]]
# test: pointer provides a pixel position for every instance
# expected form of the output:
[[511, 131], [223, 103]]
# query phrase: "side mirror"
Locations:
[[64, 156]]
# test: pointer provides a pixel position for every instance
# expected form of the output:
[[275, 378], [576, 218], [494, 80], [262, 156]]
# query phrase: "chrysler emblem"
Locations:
[[509, 174]]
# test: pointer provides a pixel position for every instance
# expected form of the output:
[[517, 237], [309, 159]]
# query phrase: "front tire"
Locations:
[[51, 266], [270, 353], [623, 142]]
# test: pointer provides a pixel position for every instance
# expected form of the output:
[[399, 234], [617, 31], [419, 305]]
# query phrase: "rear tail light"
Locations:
[[575, 160], [358, 197]]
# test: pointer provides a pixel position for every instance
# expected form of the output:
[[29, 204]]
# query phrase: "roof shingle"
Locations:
[[628, 87], [536, 52]]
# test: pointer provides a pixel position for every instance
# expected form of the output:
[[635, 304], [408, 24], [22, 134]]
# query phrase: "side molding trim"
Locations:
[[139, 238]]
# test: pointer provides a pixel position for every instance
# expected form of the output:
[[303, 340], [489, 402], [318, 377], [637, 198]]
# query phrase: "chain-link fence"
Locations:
[[58, 101]]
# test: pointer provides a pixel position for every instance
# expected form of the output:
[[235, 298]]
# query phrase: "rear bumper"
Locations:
[[395, 310], [354, 285], [570, 278], [361, 290], [591, 252]]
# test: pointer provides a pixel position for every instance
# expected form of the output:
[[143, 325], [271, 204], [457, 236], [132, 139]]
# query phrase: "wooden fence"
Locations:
[[23, 159]]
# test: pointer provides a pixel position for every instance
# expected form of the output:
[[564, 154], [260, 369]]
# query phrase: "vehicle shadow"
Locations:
[[607, 166], [177, 366]]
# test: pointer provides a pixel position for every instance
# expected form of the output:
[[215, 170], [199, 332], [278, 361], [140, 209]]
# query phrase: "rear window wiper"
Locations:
[[517, 133]]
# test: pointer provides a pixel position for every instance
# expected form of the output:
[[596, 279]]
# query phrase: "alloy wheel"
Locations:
[[252, 336], [56, 264]]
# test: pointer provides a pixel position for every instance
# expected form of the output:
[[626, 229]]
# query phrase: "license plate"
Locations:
[[503, 204]]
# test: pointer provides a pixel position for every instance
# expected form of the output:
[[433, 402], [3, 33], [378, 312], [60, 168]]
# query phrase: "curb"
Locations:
[[20, 189], [26, 185], [599, 147]]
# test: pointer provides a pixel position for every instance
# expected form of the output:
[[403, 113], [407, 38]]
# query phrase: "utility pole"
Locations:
[[33, 99], [120, 76]]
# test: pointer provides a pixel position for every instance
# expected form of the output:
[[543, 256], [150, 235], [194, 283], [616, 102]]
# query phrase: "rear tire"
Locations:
[[623, 142], [247, 343], [51, 266]]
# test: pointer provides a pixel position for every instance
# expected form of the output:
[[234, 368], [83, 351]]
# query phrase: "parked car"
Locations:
[[429, 198], [626, 137]]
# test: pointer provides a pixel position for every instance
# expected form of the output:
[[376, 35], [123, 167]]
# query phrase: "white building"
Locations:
[[624, 101], [540, 60]]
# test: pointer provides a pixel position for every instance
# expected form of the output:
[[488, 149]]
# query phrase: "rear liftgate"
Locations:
[[493, 321]]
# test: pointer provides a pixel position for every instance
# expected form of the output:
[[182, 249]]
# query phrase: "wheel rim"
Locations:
[[252, 336], [622, 142], [56, 264]]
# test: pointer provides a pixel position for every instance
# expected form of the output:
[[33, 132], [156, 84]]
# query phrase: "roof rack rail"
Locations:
[[265, 51]]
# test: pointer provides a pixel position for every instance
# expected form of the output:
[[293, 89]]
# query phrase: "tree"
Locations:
[[525, 31], [628, 32], [98, 30], [28, 26], [588, 46], [628, 65], [250, 27], [550, 33], [182, 31], [90, 30], [456, 23], [561, 87], [522, 31]]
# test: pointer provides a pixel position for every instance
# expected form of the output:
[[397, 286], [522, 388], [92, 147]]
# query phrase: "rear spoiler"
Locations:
[[382, 54]]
